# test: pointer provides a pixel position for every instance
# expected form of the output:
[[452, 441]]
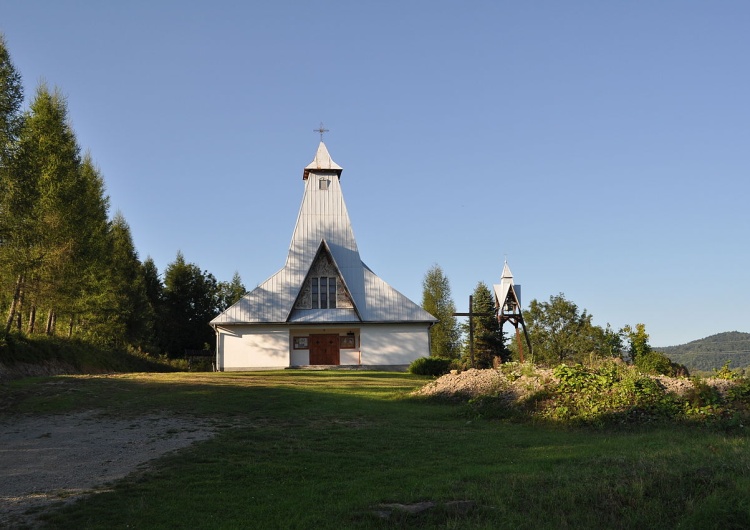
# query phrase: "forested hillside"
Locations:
[[712, 352], [69, 269]]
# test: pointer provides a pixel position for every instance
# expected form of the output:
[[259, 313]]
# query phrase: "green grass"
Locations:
[[76, 356], [323, 449]]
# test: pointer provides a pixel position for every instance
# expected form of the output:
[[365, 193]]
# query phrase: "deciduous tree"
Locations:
[[11, 100], [637, 341], [40, 203], [560, 332]]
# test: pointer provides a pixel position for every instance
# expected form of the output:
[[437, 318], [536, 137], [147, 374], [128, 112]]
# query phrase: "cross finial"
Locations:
[[321, 130]]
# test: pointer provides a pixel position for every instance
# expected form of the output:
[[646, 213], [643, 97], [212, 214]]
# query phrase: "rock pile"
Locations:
[[472, 383]]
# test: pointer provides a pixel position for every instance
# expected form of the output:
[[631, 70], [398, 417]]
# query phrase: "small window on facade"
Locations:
[[323, 184], [332, 293], [323, 292]]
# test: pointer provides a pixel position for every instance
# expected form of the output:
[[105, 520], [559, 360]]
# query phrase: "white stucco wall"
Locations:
[[394, 345], [252, 347], [300, 357]]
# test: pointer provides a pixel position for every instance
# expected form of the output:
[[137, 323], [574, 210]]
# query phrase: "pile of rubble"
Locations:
[[518, 384], [472, 383]]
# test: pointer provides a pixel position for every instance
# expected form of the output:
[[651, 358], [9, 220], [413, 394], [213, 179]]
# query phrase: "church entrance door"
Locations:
[[324, 349]]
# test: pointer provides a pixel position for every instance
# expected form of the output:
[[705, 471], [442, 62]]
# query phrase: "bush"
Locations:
[[727, 373], [654, 363], [609, 392], [435, 366]]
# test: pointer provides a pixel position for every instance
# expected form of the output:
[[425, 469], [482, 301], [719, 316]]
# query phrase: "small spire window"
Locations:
[[323, 183]]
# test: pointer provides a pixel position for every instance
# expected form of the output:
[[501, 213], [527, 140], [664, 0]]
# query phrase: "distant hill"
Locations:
[[712, 352]]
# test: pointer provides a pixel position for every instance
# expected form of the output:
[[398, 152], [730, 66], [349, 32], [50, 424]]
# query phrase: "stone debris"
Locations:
[[473, 383], [491, 382]]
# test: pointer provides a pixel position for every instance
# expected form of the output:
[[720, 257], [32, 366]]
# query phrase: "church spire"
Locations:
[[506, 271], [322, 162]]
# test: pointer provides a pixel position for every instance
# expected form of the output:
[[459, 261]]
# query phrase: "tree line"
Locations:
[[68, 269], [559, 332]]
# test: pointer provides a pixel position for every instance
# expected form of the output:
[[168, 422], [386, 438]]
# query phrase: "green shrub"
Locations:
[[704, 401], [726, 373], [654, 363], [435, 366], [610, 392]]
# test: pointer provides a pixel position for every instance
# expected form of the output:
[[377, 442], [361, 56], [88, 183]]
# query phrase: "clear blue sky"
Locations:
[[602, 147]]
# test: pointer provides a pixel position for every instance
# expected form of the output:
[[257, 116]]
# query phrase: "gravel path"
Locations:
[[46, 459]]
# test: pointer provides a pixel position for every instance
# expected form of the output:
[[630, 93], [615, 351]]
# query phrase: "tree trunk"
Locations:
[[50, 322], [32, 320], [14, 303], [19, 307], [70, 326]]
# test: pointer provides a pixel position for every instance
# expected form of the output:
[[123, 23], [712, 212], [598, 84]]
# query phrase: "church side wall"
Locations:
[[252, 347], [394, 345]]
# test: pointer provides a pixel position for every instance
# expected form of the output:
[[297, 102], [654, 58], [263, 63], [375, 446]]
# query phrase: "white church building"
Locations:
[[325, 307]]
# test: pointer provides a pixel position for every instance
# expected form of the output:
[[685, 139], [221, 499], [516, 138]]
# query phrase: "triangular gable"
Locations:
[[312, 304], [505, 293]]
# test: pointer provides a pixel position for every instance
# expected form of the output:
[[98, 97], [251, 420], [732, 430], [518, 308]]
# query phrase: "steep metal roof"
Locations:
[[322, 161], [323, 220], [506, 284]]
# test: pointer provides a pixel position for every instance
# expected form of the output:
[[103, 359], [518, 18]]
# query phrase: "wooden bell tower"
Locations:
[[508, 307]]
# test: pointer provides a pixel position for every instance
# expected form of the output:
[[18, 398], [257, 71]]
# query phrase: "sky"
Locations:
[[601, 148]]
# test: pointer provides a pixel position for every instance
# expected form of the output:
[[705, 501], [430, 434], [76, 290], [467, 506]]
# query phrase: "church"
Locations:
[[325, 307]]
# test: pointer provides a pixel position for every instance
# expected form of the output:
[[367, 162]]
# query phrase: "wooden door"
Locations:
[[324, 349]]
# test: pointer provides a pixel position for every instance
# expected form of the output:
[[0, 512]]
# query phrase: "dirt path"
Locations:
[[46, 459]]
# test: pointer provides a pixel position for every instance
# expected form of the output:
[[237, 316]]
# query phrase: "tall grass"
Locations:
[[326, 449]]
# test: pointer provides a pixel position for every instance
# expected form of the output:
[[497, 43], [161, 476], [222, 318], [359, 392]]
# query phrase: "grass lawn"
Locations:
[[302, 449]]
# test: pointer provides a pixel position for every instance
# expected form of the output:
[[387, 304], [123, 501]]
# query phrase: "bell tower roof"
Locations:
[[322, 162]]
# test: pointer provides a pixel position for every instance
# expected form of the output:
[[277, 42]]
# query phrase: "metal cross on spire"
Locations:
[[321, 130]]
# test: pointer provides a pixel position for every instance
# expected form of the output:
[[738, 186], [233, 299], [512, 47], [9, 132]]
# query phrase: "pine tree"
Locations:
[[155, 296], [436, 300], [489, 342], [190, 302], [230, 292]]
